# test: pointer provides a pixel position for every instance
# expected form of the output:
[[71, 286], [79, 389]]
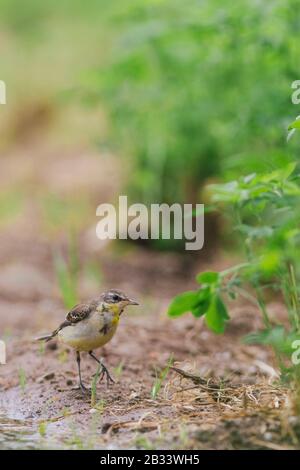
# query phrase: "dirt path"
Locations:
[[244, 412]]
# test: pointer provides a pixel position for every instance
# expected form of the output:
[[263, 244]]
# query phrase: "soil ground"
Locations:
[[237, 403]]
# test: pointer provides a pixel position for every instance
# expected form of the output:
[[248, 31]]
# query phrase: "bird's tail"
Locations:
[[47, 338]]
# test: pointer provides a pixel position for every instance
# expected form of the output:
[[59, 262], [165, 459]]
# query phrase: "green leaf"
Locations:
[[201, 308], [208, 277], [294, 125], [249, 178], [216, 316], [204, 297], [182, 303], [281, 174]]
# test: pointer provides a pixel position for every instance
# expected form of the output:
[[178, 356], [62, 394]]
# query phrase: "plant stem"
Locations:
[[260, 298], [294, 297], [262, 305]]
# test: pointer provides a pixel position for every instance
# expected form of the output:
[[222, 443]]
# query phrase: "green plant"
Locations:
[[100, 406], [42, 428], [94, 387], [118, 370], [183, 87], [42, 348], [160, 379], [142, 442], [22, 379], [206, 301], [265, 210]]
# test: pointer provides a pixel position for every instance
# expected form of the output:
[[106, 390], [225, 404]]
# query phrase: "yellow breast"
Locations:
[[91, 333]]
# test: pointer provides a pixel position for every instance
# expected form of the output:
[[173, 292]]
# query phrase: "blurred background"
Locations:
[[144, 98]]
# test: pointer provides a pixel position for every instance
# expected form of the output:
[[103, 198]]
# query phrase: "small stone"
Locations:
[[48, 376], [133, 396]]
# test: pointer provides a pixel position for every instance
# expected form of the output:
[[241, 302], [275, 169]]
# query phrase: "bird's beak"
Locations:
[[132, 302]]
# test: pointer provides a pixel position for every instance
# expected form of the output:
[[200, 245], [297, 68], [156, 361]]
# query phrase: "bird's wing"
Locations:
[[79, 312]]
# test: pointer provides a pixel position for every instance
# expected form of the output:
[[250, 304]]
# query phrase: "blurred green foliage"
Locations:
[[193, 92], [198, 89], [33, 16]]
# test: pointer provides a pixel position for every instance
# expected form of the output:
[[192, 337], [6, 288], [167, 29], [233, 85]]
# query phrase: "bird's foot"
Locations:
[[105, 373], [84, 390]]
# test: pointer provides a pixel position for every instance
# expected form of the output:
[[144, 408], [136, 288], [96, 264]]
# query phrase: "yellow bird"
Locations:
[[91, 325]]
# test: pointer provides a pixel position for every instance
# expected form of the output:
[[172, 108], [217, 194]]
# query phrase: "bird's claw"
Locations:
[[84, 390], [104, 372]]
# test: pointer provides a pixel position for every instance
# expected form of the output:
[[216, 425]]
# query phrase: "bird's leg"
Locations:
[[83, 388], [104, 371]]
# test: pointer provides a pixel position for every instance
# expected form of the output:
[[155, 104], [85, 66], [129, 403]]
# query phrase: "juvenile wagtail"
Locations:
[[91, 325]]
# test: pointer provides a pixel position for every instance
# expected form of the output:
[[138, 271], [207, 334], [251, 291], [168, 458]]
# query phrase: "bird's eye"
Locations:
[[115, 297]]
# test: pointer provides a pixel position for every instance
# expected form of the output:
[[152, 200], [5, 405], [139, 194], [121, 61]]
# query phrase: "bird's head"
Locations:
[[115, 301]]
